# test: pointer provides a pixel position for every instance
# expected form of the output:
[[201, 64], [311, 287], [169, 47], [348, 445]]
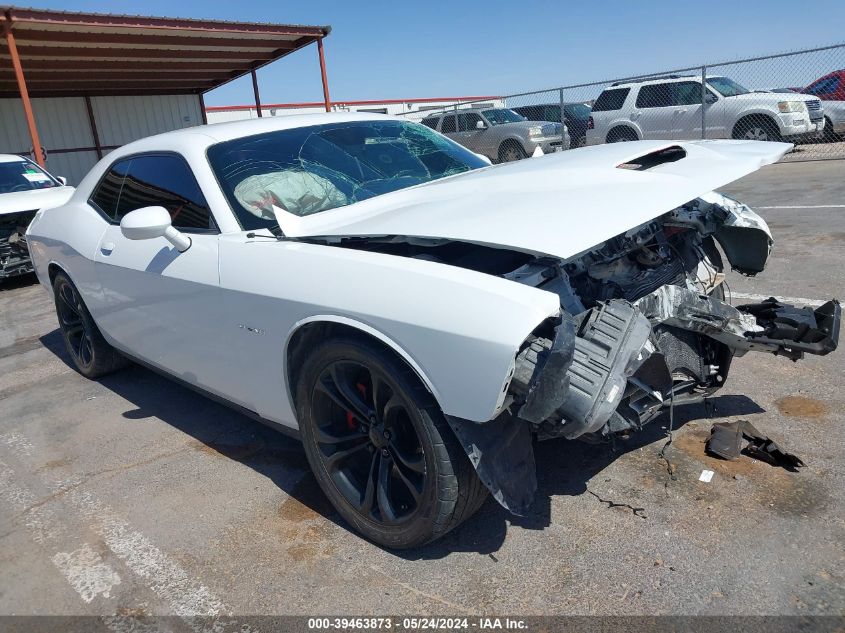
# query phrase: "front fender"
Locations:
[[459, 329]]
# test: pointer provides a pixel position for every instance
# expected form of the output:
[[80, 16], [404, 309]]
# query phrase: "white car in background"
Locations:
[[24, 189], [669, 107], [414, 314]]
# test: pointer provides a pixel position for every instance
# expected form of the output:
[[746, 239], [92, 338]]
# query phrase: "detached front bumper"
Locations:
[[616, 366]]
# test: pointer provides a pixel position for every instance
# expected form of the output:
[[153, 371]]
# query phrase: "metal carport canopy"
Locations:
[[68, 54]]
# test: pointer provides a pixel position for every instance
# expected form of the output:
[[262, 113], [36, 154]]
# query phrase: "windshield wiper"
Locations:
[[276, 230]]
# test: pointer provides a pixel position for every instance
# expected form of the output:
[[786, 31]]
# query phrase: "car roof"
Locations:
[[550, 103], [11, 158], [657, 80], [203, 136]]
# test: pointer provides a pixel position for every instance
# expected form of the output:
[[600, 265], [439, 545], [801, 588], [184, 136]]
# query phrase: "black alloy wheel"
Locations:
[[91, 354], [368, 443], [77, 338], [379, 446]]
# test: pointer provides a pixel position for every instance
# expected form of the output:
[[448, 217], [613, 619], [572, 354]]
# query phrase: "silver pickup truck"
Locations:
[[500, 134]]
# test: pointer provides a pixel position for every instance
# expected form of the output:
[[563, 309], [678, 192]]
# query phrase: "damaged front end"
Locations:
[[14, 254], [644, 324]]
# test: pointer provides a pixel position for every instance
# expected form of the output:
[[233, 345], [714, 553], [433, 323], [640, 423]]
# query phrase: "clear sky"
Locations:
[[403, 49]]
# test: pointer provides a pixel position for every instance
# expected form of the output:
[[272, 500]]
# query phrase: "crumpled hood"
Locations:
[[560, 204], [34, 199]]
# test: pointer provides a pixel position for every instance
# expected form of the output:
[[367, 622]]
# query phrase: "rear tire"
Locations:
[[621, 135], [379, 446], [91, 354], [757, 127]]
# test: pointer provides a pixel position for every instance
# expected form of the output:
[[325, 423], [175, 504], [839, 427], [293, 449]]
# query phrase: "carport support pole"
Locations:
[[27, 105], [255, 92], [323, 74]]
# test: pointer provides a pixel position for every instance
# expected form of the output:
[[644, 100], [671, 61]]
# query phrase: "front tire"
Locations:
[[380, 447], [91, 354], [511, 151], [757, 127]]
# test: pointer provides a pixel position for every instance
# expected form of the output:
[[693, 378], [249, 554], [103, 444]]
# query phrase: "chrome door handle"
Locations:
[[107, 248]]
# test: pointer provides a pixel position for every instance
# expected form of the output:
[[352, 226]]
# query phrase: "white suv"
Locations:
[[669, 107]]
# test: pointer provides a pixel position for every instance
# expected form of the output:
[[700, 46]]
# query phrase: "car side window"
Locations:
[[448, 124], [552, 113], [164, 180], [468, 121], [823, 87], [611, 100], [430, 122], [654, 96], [107, 192], [686, 93]]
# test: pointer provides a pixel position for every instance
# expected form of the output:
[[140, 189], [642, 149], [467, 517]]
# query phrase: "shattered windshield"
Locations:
[[23, 175], [317, 168], [497, 116]]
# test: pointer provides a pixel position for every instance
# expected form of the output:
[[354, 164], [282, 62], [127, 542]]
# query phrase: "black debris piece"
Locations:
[[729, 439]]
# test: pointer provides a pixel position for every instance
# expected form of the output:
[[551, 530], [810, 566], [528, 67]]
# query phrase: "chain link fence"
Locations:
[[798, 97]]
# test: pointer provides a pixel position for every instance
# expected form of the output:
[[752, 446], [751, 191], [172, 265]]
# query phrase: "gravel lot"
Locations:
[[133, 496]]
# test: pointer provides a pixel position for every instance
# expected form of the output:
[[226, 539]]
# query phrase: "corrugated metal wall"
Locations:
[[124, 119], [63, 124]]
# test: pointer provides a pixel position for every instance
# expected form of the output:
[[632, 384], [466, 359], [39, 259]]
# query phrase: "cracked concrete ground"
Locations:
[[132, 495]]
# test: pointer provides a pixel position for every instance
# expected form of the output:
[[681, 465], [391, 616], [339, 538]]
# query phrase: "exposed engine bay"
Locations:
[[646, 323], [14, 255], [643, 325]]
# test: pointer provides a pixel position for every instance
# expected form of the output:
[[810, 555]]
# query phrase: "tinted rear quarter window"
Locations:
[[430, 122], [106, 194], [163, 180], [611, 99], [448, 124]]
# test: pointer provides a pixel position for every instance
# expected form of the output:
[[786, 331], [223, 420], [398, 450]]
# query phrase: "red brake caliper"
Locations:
[[350, 418]]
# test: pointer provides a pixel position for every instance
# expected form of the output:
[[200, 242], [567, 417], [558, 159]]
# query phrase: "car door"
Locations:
[[470, 136], [158, 304], [653, 111], [686, 117], [449, 127]]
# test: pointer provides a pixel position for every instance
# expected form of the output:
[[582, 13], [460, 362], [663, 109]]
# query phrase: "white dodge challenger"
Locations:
[[414, 314]]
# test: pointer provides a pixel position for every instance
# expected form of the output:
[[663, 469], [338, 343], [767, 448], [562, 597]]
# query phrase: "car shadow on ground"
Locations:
[[564, 467]]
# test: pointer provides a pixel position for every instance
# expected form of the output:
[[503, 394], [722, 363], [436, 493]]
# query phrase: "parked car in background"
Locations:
[[669, 107], [831, 90], [834, 115], [25, 188], [414, 315], [830, 87], [500, 134], [575, 115]]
